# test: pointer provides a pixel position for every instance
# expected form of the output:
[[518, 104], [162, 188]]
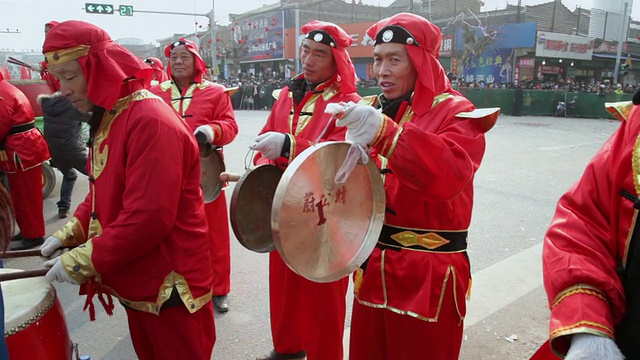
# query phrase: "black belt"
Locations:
[[457, 240], [21, 128]]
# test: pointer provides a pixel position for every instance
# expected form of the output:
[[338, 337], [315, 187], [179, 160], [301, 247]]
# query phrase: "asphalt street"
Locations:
[[529, 163]]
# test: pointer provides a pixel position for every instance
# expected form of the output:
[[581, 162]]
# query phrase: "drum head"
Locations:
[[211, 166], [250, 208], [25, 301], [323, 230]]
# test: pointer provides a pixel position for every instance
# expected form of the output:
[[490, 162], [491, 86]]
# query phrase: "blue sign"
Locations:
[[494, 66], [507, 36], [261, 35]]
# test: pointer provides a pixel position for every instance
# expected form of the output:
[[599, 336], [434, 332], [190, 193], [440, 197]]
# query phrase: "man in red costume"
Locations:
[[207, 109], [51, 80], [307, 316], [23, 149], [141, 232], [591, 254], [159, 76], [410, 294]]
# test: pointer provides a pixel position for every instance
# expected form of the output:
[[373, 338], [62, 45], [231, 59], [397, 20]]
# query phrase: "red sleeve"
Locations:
[[223, 121], [581, 247], [437, 154]]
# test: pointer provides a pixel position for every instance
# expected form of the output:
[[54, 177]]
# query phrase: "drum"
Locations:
[[34, 326], [211, 166], [250, 207], [323, 230], [31, 89]]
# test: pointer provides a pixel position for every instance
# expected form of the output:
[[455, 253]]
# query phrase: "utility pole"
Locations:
[[214, 44], [518, 11], [553, 16], [297, 67], [621, 37]]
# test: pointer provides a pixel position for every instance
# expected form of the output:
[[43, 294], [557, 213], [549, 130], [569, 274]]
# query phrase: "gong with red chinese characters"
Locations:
[[324, 230]]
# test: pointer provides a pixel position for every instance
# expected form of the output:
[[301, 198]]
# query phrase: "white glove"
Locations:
[[36, 67], [593, 347], [362, 122], [269, 144], [57, 272], [207, 131], [50, 246]]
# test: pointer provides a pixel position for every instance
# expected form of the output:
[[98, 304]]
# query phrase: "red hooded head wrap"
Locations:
[[51, 24], [331, 34], [422, 41], [200, 65], [158, 68], [105, 64]]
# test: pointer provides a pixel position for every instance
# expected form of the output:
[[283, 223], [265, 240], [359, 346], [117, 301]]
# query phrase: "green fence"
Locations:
[[535, 102]]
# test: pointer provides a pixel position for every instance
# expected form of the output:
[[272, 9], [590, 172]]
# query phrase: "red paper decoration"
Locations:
[[217, 40], [266, 29], [233, 28]]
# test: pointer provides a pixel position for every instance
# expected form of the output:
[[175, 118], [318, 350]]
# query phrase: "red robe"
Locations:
[[406, 296], [589, 237], [22, 153], [144, 212], [207, 103], [306, 316]]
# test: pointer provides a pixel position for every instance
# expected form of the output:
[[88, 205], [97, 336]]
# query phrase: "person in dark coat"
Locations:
[[63, 132]]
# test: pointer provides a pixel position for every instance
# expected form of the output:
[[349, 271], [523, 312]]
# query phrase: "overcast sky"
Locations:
[[29, 16]]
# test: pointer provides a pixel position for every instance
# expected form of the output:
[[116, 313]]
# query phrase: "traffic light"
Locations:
[[624, 69]]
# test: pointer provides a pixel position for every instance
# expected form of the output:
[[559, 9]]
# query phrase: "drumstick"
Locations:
[[18, 62], [20, 253], [25, 253], [226, 176], [23, 274]]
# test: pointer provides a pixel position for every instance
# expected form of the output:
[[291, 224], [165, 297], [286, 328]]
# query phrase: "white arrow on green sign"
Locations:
[[93, 8]]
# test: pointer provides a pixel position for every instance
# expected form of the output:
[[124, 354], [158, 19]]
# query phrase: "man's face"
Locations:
[[182, 64], [394, 70], [46, 29], [72, 84], [318, 64]]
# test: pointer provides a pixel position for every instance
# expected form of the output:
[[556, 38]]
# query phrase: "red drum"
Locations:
[[31, 89], [34, 326]]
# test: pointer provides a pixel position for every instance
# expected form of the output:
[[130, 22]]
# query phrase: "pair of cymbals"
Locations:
[[322, 230]]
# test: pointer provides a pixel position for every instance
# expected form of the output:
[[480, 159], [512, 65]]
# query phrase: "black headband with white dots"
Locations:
[[395, 34], [321, 37]]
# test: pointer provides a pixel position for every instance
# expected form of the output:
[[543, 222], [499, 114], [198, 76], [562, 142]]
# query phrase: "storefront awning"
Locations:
[[623, 57]]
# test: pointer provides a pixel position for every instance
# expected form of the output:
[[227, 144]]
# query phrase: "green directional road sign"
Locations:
[[93, 8], [126, 10]]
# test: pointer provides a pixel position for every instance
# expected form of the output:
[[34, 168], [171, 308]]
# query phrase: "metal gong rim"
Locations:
[[211, 166], [322, 230], [250, 208]]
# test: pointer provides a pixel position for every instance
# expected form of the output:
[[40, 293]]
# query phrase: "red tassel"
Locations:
[[90, 289]]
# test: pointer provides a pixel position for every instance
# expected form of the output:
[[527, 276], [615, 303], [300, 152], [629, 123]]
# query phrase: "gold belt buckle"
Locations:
[[429, 240]]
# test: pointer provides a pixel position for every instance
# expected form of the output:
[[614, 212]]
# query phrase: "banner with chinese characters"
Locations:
[[494, 66], [261, 36], [553, 45]]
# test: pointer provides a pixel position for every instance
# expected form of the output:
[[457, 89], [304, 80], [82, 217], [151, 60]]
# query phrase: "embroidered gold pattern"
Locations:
[[429, 240], [164, 292], [77, 262], [620, 110], [64, 55], [578, 289], [451, 272], [72, 233]]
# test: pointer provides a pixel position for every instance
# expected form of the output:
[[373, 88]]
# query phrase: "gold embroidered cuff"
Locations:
[[72, 233], [382, 130], [77, 262], [578, 289], [64, 55]]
